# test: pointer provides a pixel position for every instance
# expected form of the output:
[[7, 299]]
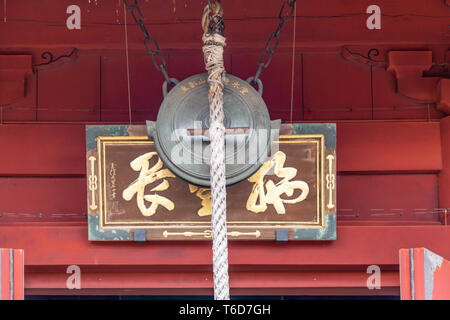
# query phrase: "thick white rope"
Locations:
[[213, 52]]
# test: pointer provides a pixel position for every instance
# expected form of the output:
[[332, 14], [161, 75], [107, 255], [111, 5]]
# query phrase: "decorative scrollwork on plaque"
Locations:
[[331, 181], [208, 234], [93, 185]]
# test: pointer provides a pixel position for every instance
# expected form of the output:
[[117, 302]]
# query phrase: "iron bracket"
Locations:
[[140, 235], [281, 235]]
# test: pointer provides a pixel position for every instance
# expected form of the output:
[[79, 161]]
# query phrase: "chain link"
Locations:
[[149, 40], [286, 13], [266, 56]]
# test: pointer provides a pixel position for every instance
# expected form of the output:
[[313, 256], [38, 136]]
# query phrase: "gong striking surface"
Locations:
[[182, 138]]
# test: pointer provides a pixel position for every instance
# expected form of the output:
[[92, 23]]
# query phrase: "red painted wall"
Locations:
[[444, 177], [392, 152], [93, 85]]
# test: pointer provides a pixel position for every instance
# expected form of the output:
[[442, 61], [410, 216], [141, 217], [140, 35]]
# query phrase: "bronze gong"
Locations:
[[181, 131]]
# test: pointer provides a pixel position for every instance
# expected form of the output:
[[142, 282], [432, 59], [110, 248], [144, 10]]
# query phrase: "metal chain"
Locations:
[[267, 54], [149, 41], [264, 60]]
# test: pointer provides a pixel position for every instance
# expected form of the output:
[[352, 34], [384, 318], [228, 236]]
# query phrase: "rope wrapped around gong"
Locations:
[[214, 43]]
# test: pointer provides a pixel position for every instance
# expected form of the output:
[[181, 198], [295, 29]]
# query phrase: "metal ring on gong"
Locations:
[[181, 133]]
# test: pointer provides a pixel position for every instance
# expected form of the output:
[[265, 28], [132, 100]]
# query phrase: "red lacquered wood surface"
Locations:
[[392, 153], [388, 180], [444, 177]]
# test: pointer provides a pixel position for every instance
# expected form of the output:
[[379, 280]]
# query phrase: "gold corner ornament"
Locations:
[[331, 181], [93, 185]]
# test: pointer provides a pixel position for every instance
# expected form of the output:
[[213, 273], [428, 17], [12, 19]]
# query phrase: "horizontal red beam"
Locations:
[[388, 146], [360, 197], [173, 280], [255, 283], [48, 245], [177, 23], [45, 149], [399, 197], [47, 199], [42, 150]]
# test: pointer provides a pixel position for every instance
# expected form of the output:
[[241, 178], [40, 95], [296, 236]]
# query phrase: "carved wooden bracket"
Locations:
[[444, 96], [409, 68], [13, 72]]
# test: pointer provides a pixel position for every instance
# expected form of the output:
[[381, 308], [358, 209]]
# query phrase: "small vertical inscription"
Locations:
[[113, 190], [112, 177]]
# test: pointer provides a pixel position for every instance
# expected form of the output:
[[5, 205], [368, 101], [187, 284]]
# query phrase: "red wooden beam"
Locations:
[[177, 25], [254, 283], [165, 268], [57, 245], [34, 150], [360, 197], [48, 199], [393, 197], [381, 146], [388, 146]]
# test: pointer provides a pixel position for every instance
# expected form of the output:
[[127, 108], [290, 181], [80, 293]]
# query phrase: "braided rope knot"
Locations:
[[212, 21], [214, 43]]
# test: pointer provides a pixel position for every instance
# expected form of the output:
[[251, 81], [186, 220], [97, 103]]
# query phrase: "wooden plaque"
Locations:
[[133, 197]]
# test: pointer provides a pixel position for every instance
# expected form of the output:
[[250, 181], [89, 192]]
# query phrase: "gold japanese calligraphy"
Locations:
[[148, 176], [295, 190], [244, 91], [193, 84], [205, 195], [271, 193], [274, 191]]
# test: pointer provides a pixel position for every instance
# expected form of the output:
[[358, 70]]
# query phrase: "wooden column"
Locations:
[[423, 275], [11, 274]]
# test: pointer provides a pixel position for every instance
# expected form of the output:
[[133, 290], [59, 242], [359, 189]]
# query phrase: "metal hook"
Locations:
[[173, 81], [253, 80]]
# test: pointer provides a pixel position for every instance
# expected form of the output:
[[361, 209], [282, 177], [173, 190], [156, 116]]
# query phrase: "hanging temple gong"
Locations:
[[181, 133]]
